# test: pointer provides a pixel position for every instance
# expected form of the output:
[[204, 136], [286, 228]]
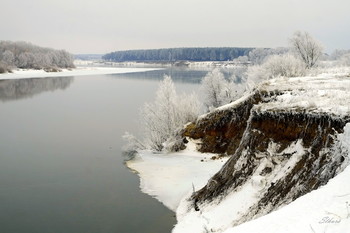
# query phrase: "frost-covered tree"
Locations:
[[307, 48], [8, 58], [344, 60], [26, 55], [341, 57], [338, 53], [164, 117], [160, 117], [259, 55], [4, 68], [241, 60], [286, 65], [213, 86], [219, 91]]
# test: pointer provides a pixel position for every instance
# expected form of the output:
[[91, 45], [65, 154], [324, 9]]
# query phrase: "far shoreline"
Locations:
[[79, 71]]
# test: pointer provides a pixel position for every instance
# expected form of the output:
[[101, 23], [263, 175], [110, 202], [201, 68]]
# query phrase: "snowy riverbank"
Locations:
[[79, 71], [169, 177]]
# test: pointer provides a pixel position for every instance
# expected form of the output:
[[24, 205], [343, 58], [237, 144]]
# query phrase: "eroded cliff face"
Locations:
[[283, 153]]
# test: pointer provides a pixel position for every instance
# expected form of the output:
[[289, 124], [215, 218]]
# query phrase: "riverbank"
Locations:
[[79, 71]]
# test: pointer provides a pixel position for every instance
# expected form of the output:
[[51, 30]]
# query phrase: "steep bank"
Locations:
[[283, 141]]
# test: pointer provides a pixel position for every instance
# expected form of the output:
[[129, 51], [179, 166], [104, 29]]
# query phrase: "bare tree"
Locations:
[[307, 48]]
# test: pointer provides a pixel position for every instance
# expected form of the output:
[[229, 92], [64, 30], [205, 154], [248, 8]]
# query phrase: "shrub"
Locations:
[[275, 66]]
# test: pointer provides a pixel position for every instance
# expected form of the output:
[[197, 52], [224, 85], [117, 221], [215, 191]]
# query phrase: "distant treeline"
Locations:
[[88, 57], [178, 54], [28, 56]]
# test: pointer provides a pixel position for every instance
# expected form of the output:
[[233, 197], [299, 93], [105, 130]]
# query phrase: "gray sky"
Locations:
[[101, 26]]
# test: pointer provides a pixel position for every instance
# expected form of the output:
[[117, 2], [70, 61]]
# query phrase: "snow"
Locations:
[[326, 209], [324, 93], [170, 177], [246, 96], [221, 64], [217, 216], [80, 71], [327, 92]]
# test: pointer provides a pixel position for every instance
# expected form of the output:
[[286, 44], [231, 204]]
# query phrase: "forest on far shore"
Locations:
[[25, 55], [178, 54]]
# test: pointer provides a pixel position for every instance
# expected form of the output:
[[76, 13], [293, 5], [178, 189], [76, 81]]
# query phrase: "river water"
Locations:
[[61, 163]]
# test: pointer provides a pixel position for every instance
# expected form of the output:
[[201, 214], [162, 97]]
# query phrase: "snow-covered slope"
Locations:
[[326, 209]]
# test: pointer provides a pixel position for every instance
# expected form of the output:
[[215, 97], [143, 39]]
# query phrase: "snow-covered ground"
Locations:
[[170, 177], [322, 93], [219, 64], [327, 93], [79, 71]]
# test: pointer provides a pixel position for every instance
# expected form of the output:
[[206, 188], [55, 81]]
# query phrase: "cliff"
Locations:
[[282, 141]]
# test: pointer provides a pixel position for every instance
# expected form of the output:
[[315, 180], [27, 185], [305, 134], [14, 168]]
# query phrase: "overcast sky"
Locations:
[[101, 26]]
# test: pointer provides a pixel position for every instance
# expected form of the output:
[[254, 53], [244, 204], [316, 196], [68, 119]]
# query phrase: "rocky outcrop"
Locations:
[[285, 151]]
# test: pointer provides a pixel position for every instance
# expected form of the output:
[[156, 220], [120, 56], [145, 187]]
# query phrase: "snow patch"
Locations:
[[170, 177]]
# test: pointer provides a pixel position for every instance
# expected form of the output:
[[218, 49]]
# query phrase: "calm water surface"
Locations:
[[61, 164]]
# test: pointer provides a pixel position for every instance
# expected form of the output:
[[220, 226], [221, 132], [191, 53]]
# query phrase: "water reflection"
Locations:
[[177, 74], [26, 88]]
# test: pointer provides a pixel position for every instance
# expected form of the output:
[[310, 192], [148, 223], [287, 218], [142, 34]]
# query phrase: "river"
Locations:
[[61, 163]]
